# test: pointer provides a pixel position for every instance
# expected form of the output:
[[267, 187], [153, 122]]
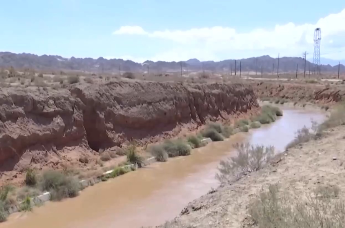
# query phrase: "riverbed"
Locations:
[[157, 193]]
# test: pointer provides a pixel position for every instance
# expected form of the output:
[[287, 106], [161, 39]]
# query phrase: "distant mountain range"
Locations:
[[54, 62]]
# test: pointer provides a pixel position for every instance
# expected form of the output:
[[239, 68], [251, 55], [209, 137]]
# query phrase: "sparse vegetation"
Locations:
[[129, 75], [176, 147], [133, 157], [249, 159], [244, 128], [275, 208], [26, 204], [88, 80], [212, 134], [158, 152], [311, 81], [304, 135], [72, 79], [336, 118], [105, 156], [194, 141], [268, 114], [59, 185], [255, 124], [30, 178], [224, 130], [241, 123]]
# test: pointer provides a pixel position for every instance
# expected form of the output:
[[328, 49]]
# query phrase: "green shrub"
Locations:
[[194, 141], [241, 123], [59, 185], [216, 126], [176, 148], [3, 212], [227, 131], [133, 157], [212, 134], [118, 171], [26, 205], [255, 124], [158, 152], [244, 128], [30, 178]]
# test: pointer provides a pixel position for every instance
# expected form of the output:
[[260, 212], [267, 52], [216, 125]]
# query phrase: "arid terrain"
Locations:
[[300, 171], [84, 124]]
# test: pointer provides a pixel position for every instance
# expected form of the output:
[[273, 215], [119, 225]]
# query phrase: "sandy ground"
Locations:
[[301, 170]]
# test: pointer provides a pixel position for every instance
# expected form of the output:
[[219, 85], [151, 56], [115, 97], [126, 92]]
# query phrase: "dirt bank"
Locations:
[[303, 169], [307, 92], [42, 127]]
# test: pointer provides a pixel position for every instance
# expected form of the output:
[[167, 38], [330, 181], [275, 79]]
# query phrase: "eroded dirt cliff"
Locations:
[[41, 126], [316, 93]]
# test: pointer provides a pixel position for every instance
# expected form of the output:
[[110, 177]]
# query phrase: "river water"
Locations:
[[155, 194]]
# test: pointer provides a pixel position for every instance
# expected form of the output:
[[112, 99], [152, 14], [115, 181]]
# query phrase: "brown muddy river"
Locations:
[[157, 193]]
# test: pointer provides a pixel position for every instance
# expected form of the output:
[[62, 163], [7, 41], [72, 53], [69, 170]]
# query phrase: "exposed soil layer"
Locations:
[[315, 93], [44, 127], [300, 171]]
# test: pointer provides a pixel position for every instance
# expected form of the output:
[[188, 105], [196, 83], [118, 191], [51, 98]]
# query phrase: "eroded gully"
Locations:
[[157, 193]]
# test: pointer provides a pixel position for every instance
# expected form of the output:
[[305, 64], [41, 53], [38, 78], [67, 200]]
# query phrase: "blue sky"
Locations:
[[171, 30]]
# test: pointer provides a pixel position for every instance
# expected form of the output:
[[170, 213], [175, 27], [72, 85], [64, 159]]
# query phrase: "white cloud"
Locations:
[[130, 30], [224, 42]]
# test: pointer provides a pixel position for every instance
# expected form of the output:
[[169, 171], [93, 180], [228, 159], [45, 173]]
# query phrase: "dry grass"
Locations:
[[276, 209], [248, 159]]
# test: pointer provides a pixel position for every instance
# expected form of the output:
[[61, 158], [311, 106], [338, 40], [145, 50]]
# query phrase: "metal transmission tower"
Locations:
[[316, 59]]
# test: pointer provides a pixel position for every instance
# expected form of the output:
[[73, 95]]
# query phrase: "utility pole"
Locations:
[[256, 66], [273, 69], [309, 70], [305, 62], [296, 70], [278, 67], [181, 68], [120, 69], [338, 70], [231, 70], [261, 71], [240, 68], [148, 69], [235, 68]]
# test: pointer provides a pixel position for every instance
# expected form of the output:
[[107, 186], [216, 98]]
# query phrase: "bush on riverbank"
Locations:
[[59, 185], [158, 152], [30, 178], [194, 141], [268, 114], [212, 134], [248, 159], [223, 130], [176, 147], [336, 118], [133, 157], [304, 135], [274, 209], [255, 124]]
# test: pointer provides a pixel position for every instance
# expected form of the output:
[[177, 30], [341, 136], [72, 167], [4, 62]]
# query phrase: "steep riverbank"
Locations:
[[43, 127], [141, 197], [316, 164]]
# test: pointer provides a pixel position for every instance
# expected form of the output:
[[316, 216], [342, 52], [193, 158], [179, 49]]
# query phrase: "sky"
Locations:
[[172, 30]]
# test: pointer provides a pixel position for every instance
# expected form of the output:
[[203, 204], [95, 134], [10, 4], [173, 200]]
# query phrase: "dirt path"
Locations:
[[302, 169]]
